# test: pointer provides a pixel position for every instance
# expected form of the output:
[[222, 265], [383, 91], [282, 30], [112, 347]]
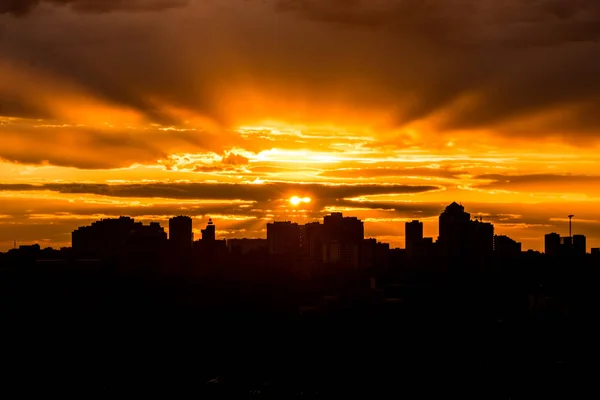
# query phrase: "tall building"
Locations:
[[413, 236], [181, 234], [552, 244], [210, 233], [283, 237], [462, 237], [343, 229], [579, 245], [342, 239], [482, 238], [313, 240], [454, 225]]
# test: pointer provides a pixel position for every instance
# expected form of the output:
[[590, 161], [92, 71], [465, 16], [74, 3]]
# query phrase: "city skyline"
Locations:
[[289, 234], [384, 109], [197, 223]]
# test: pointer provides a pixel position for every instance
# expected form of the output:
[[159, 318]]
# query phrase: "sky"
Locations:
[[383, 109]]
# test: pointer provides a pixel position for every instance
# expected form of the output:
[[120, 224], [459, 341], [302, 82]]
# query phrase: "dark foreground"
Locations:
[[92, 333]]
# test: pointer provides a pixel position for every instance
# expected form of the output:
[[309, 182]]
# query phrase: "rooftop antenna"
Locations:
[[570, 221]]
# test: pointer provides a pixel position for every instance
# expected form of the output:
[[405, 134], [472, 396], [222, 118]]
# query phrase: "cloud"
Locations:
[[21, 7], [513, 69], [411, 76], [223, 191], [518, 22], [390, 172], [99, 147], [234, 159], [567, 183]]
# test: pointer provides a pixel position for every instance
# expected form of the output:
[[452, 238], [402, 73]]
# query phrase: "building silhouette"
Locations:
[[209, 233], [454, 233], [482, 238], [313, 241], [209, 245], [413, 237], [552, 244], [342, 239], [105, 238], [506, 247], [461, 237], [181, 235], [579, 245], [245, 246], [555, 245], [283, 237]]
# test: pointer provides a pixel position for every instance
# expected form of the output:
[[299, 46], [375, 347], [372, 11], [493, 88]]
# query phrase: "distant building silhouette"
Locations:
[[552, 244], [181, 235], [565, 246], [209, 234], [454, 225], [313, 241], [104, 238], [506, 247], [343, 238], [245, 246], [413, 236], [462, 237], [374, 254], [209, 249], [579, 245], [283, 237], [338, 240]]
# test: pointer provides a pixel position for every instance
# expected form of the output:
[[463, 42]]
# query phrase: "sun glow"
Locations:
[[295, 200]]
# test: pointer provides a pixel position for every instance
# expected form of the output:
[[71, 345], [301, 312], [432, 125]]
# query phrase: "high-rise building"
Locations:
[[210, 233], [481, 238], [313, 240], [552, 244], [344, 229], [454, 225], [181, 234], [462, 237], [283, 237], [413, 235], [342, 238], [579, 245]]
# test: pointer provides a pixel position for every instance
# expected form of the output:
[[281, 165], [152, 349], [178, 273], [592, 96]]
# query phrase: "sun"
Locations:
[[295, 200]]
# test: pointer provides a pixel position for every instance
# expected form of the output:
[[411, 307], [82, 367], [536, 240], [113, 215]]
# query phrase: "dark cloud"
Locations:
[[456, 66], [518, 22], [407, 210], [99, 147], [21, 7], [566, 183], [497, 62], [224, 191]]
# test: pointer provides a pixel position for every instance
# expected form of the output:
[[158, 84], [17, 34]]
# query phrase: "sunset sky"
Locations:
[[383, 109]]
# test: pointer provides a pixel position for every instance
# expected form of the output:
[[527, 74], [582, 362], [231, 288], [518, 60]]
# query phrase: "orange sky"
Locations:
[[383, 109]]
